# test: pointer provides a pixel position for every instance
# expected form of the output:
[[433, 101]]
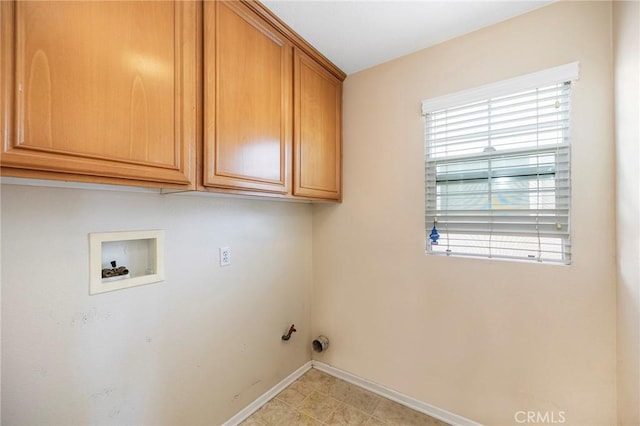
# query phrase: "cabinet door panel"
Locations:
[[101, 88], [318, 130], [247, 105]]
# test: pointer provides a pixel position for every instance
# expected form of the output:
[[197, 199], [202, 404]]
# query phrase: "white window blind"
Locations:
[[497, 173]]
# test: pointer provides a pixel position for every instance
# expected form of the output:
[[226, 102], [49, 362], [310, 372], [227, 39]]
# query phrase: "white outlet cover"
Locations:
[[225, 256]]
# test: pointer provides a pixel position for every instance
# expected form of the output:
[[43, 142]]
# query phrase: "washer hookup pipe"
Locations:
[[292, 330]]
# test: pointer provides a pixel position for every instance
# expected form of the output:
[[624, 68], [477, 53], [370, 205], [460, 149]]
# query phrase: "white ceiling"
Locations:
[[358, 34]]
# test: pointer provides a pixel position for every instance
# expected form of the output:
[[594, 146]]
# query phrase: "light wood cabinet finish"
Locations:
[[217, 96], [247, 100], [98, 88], [317, 130]]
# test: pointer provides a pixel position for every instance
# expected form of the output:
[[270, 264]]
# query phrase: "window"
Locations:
[[497, 169]]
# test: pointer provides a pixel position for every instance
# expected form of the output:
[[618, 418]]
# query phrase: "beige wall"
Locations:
[[480, 338], [195, 349], [626, 45]]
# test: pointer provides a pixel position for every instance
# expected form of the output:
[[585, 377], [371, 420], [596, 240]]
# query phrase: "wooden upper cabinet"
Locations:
[[247, 100], [100, 88], [214, 95], [317, 130]]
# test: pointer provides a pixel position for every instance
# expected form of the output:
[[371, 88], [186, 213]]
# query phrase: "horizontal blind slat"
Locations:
[[497, 176], [552, 108], [453, 109]]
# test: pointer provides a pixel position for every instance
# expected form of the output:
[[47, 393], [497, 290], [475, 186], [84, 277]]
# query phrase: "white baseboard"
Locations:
[[267, 396], [405, 400]]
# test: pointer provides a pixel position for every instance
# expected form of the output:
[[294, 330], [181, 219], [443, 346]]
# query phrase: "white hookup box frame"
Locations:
[[141, 251]]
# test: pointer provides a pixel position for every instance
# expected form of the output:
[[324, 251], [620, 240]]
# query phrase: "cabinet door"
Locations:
[[247, 104], [317, 130], [100, 88]]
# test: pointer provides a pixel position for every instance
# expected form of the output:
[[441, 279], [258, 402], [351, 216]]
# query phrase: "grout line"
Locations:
[[335, 409]]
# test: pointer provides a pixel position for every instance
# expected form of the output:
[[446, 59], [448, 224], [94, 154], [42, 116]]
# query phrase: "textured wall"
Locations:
[[194, 349], [483, 339], [626, 45]]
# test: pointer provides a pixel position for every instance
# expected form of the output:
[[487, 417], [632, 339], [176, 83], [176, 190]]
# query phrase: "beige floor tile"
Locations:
[[338, 389], [303, 420], [395, 414], [291, 396], [275, 413], [327, 384], [316, 378], [362, 399], [374, 421], [346, 415], [319, 406], [304, 387]]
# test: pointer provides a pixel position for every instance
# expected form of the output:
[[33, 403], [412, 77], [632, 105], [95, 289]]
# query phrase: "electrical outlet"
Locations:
[[225, 256]]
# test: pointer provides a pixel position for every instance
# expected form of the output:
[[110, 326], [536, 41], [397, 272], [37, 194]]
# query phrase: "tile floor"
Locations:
[[317, 398]]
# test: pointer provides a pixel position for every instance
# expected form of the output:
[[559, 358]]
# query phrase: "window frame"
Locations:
[[530, 82]]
